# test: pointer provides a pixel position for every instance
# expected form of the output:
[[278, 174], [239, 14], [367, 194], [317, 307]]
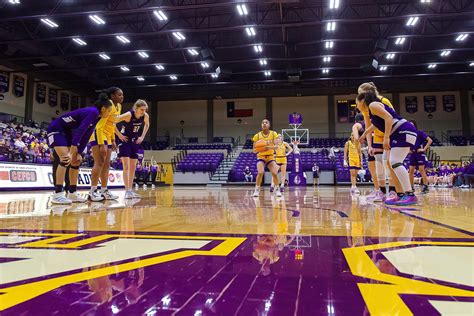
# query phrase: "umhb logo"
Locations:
[[68, 119], [33, 264]]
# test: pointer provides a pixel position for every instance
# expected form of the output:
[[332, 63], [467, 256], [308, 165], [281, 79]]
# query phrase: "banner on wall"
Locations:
[[346, 111], [430, 103], [25, 176], [411, 104], [19, 86], [64, 101], [74, 102], [4, 82], [449, 103], [233, 112], [53, 97], [40, 93]]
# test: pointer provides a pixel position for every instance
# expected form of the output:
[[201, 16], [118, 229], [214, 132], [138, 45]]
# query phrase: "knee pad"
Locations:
[[396, 165], [64, 163], [75, 167], [379, 169]]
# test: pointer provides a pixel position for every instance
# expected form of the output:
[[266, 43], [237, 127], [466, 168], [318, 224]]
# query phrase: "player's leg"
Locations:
[[260, 174], [273, 167]]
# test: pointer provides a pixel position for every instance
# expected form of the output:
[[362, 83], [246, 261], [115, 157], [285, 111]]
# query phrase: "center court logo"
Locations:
[[25, 275]]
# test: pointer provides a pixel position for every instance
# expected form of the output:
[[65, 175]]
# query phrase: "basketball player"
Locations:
[[267, 157], [103, 143], [382, 171], [281, 160], [353, 152], [315, 170], [135, 121], [418, 158], [399, 138], [68, 135]]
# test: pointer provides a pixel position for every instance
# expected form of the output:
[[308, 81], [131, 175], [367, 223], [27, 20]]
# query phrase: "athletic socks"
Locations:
[[392, 188], [384, 190], [58, 188], [72, 188]]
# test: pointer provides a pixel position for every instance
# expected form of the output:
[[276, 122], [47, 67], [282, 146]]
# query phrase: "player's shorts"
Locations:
[[371, 158], [129, 150], [417, 159], [267, 159], [354, 164], [103, 140], [404, 136], [281, 160], [315, 175], [59, 139]]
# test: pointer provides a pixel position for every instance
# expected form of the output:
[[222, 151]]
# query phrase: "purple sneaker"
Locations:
[[392, 198], [271, 189], [371, 196], [282, 189], [380, 197], [407, 200], [355, 191]]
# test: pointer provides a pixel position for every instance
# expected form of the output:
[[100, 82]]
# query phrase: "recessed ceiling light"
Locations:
[[14, 1], [331, 26], [173, 77], [79, 41], [123, 39], [333, 4], [445, 53], [160, 15], [432, 66], [263, 62], [390, 56], [49, 23], [143, 55], [104, 56], [400, 40], [327, 59], [193, 52], [471, 64], [267, 73], [412, 21], [140, 78], [41, 65], [124, 68], [204, 64], [250, 31], [461, 37], [258, 48], [325, 71], [214, 75], [242, 9], [97, 19], [383, 68], [160, 67], [179, 36], [329, 44], [425, 1]]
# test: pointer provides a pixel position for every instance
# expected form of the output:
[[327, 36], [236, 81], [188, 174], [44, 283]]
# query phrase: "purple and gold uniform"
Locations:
[[73, 128], [132, 131], [416, 158], [403, 132]]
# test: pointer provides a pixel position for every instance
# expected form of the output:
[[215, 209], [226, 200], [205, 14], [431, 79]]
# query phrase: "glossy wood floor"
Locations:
[[219, 251]]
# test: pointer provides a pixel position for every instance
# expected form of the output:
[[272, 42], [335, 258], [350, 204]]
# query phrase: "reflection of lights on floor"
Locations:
[[166, 300], [330, 309], [198, 312], [151, 311], [114, 309], [209, 301]]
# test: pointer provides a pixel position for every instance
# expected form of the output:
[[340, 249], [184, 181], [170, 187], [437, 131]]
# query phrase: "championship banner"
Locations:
[[411, 104], [30, 176], [64, 101], [430, 103], [18, 86], [53, 97], [40, 93], [449, 103], [74, 102], [4, 82]]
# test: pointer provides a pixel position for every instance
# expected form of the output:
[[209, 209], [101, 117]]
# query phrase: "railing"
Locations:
[[203, 140], [5, 117], [177, 159], [467, 159], [445, 138]]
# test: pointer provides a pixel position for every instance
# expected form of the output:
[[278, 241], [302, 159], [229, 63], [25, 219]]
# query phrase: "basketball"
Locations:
[[261, 145]]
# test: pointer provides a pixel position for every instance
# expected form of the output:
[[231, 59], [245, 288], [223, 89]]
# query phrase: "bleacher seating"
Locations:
[[458, 140], [205, 162], [211, 146]]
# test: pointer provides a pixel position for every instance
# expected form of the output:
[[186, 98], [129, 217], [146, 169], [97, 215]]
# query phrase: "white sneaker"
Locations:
[[153, 186], [135, 195], [96, 196], [108, 195], [59, 198], [76, 198], [256, 193], [128, 195], [145, 186], [277, 192]]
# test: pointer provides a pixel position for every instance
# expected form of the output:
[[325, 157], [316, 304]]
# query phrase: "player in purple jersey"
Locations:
[[399, 138], [68, 135], [418, 158], [136, 124]]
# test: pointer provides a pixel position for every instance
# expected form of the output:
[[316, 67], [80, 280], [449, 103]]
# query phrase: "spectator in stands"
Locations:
[[19, 144], [468, 176], [459, 171], [332, 153], [248, 174]]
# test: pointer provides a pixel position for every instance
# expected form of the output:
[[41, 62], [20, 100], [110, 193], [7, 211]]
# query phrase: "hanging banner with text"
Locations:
[[40, 93], [411, 104], [19, 86], [64, 101], [53, 97], [74, 102], [449, 103], [4, 82], [430, 103]]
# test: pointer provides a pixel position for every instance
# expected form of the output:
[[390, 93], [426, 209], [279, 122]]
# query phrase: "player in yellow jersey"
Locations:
[[353, 160], [267, 157], [280, 157], [103, 143], [379, 166]]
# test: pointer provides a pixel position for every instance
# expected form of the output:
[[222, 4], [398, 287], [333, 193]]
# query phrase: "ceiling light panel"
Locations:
[[123, 39], [160, 15], [80, 42], [97, 19], [179, 36], [49, 23], [242, 9]]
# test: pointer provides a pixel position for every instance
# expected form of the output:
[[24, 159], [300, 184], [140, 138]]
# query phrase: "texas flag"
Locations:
[[233, 112]]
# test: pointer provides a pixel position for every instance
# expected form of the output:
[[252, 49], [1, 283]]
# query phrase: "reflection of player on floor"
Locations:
[[136, 121], [315, 170], [353, 160], [281, 160], [418, 158], [264, 147]]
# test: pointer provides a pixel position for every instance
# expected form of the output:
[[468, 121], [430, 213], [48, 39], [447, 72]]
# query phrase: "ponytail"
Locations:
[[102, 101]]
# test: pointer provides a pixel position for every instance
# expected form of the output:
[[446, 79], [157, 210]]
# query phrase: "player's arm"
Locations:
[[254, 140], [378, 109], [367, 134], [126, 117], [145, 128], [288, 146], [346, 145], [429, 141], [355, 131]]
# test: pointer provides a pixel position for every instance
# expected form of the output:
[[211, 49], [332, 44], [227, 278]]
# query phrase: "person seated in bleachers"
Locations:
[[19, 143], [248, 174], [468, 176]]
